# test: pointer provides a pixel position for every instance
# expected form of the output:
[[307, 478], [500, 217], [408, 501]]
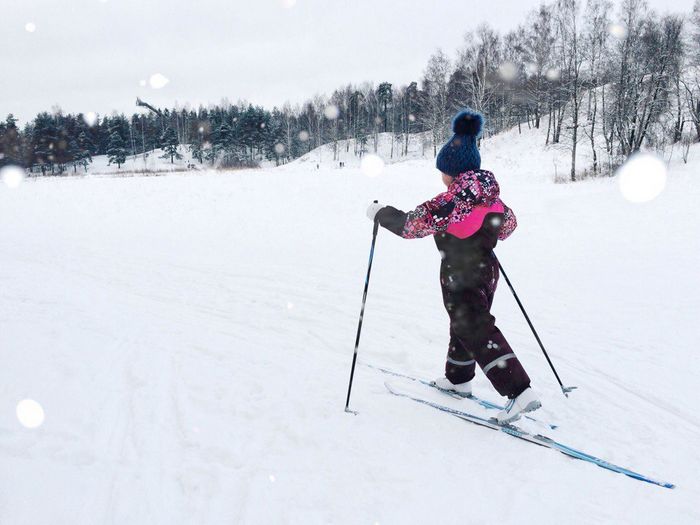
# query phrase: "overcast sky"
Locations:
[[92, 55]]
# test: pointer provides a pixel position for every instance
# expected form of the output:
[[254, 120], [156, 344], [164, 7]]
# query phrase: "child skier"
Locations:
[[466, 221]]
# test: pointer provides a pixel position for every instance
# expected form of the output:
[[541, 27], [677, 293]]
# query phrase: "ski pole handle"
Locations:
[[374, 232]]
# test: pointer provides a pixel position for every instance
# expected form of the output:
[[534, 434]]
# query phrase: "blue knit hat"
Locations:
[[460, 154]]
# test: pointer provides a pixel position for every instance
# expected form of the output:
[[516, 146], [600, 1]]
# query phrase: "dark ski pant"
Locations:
[[474, 338]]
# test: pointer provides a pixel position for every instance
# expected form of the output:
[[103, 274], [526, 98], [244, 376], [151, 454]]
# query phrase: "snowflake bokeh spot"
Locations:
[[642, 177], [508, 71], [552, 74], [617, 30], [90, 118], [372, 165], [158, 81], [30, 413], [12, 176], [331, 112]]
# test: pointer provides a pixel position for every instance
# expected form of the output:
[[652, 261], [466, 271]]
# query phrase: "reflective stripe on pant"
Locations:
[[474, 337]]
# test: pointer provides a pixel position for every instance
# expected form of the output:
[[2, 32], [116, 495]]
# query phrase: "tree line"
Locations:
[[587, 75]]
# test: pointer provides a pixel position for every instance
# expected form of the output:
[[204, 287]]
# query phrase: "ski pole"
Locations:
[[362, 314], [565, 389]]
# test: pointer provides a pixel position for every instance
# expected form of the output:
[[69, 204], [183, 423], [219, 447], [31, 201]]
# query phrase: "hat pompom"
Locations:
[[467, 122]]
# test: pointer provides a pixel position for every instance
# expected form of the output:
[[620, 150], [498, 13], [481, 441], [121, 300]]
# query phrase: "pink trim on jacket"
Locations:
[[472, 222]]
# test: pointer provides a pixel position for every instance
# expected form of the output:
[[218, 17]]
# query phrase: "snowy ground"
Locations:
[[189, 338]]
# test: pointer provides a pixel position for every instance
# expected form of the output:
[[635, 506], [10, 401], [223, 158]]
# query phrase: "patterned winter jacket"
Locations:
[[468, 217]]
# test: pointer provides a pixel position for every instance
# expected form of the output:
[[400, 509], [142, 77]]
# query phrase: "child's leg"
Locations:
[[473, 326], [460, 364], [500, 364]]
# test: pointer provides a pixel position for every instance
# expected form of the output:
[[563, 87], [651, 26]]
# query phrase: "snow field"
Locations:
[[189, 338]]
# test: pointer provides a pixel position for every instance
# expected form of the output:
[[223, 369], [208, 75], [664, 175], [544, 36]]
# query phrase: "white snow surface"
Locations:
[[189, 338]]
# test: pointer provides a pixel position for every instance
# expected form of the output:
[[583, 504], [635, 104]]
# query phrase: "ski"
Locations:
[[536, 439], [483, 402]]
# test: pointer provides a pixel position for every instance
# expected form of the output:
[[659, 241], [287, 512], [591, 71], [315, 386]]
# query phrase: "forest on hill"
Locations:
[[610, 80]]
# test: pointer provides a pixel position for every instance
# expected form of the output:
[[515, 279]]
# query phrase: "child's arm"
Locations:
[[433, 216], [428, 218]]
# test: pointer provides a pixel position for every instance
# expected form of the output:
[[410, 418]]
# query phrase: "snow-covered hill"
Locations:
[[512, 149], [152, 162], [190, 338], [349, 152]]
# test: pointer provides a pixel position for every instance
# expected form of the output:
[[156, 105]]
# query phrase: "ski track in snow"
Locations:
[[190, 338]]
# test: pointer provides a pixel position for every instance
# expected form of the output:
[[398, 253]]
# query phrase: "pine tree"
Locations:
[[116, 152], [9, 141], [83, 156], [169, 144], [44, 137], [63, 155], [197, 144], [221, 142], [73, 152], [196, 149]]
